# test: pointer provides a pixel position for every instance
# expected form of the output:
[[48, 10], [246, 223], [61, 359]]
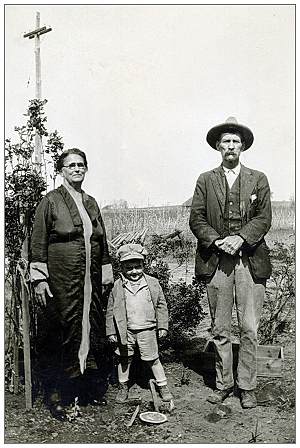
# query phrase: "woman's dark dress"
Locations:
[[58, 252]]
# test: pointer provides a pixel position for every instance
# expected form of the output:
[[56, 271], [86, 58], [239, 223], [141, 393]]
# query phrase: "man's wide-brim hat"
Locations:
[[231, 125]]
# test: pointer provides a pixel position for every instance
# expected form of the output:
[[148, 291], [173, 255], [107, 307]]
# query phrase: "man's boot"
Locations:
[[248, 399], [218, 396]]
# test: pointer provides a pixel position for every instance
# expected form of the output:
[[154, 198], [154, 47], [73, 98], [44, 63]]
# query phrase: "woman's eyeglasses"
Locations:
[[73, 165]]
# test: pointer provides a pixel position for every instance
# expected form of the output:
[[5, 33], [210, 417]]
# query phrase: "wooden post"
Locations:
[[38, 92], [38, 162], [15, 342], [38, 81], [16, 377], [21, 272], [26, 343]]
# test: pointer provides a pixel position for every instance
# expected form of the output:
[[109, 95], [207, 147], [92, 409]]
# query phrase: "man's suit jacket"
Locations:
[[207, 219], [116, 320]]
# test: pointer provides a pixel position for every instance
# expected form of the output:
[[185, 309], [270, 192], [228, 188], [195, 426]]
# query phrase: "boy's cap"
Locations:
[[131, 252]]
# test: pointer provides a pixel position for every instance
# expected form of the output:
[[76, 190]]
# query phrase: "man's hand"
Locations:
[[41, 289], [162, 333], [230, 244], [113, 338]]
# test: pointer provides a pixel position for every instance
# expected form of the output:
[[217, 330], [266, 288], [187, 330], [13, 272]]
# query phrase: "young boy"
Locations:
[[136, 311]]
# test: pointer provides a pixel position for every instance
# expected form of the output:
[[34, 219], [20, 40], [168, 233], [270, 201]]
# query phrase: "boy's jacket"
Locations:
[[116, 321]]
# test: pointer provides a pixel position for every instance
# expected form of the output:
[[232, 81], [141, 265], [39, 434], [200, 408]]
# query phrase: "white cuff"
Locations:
[[38, 271], [107, 274]]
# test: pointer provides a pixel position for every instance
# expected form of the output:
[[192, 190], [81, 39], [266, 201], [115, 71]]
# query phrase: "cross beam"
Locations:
[[37, 32]]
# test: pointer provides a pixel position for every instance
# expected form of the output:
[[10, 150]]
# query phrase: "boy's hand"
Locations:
[[113, 338], [162, 333]]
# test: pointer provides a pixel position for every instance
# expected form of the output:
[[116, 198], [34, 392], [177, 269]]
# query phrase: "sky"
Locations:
[[137, 87]]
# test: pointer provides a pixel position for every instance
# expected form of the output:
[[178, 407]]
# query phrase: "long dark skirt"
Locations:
[[57, 365]]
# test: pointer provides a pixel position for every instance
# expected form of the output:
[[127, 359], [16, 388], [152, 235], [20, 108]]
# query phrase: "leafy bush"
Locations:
[[178, 246], [279, 308], [159, 269], [25, 185], [185, 309]]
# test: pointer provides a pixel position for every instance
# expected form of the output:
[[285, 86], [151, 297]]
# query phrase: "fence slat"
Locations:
[[26, 345]]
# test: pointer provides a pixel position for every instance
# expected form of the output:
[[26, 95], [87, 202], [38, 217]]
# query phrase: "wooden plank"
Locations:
[[269, 367], [16, 377], [143, 236], [269, 359], [154, 395], [133, 417], [26, 344], [269, 351], [15, 339]]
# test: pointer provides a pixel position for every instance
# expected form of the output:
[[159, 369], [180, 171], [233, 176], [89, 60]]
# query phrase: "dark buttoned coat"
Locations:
[[57, 242], [207, 220]]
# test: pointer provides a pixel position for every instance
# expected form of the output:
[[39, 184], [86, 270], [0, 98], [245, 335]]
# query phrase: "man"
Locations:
[[230, 215]]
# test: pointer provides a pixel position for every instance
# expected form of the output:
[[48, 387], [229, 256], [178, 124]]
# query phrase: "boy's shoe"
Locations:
[[164, 393], [122, 394], [248, 399], [218, 396]]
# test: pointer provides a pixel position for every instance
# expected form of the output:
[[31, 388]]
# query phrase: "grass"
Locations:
[[158, 220], [163, 220]]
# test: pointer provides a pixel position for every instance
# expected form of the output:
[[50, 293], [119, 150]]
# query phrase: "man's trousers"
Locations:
[[233, 283]]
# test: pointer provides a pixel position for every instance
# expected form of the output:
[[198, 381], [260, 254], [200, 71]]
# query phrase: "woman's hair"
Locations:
[[66, 153]]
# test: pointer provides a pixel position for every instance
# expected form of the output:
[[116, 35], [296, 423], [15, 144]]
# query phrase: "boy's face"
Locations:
[[133, 269]]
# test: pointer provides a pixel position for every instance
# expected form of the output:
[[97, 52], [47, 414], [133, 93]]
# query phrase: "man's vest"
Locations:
[[232, 215]]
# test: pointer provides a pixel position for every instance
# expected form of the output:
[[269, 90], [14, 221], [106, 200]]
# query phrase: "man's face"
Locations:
[[230, 146], [133, 269]]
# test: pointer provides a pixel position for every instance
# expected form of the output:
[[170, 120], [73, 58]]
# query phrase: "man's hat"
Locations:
[[231, 125], [131, 252]]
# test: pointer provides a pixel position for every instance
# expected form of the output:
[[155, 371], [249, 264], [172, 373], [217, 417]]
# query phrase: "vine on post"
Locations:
[[25, 185]]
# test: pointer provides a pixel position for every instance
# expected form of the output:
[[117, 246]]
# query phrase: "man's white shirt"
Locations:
[[231, 174]]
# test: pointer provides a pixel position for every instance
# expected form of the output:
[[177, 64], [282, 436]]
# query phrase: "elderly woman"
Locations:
[[69, 264]]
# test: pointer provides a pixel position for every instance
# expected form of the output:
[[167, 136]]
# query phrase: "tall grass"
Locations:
[[283, 217], [158, 220], [162, 220]]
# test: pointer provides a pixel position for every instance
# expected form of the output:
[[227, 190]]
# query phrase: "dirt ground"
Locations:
[[193, 420]]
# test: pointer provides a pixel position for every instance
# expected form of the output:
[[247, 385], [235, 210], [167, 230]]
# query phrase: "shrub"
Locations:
[[185, 310], [159, 269], [279, 307]]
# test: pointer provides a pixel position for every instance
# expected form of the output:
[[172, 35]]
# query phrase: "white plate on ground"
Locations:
[[153, 417]]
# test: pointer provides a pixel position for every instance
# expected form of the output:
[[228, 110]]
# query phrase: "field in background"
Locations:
[[163, 220]]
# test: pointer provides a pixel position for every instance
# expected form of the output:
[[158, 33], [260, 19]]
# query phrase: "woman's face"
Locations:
[[74, 169]]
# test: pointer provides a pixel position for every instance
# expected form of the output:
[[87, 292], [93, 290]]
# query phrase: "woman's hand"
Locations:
[[41, 290], [162, 333], [113, 338]]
